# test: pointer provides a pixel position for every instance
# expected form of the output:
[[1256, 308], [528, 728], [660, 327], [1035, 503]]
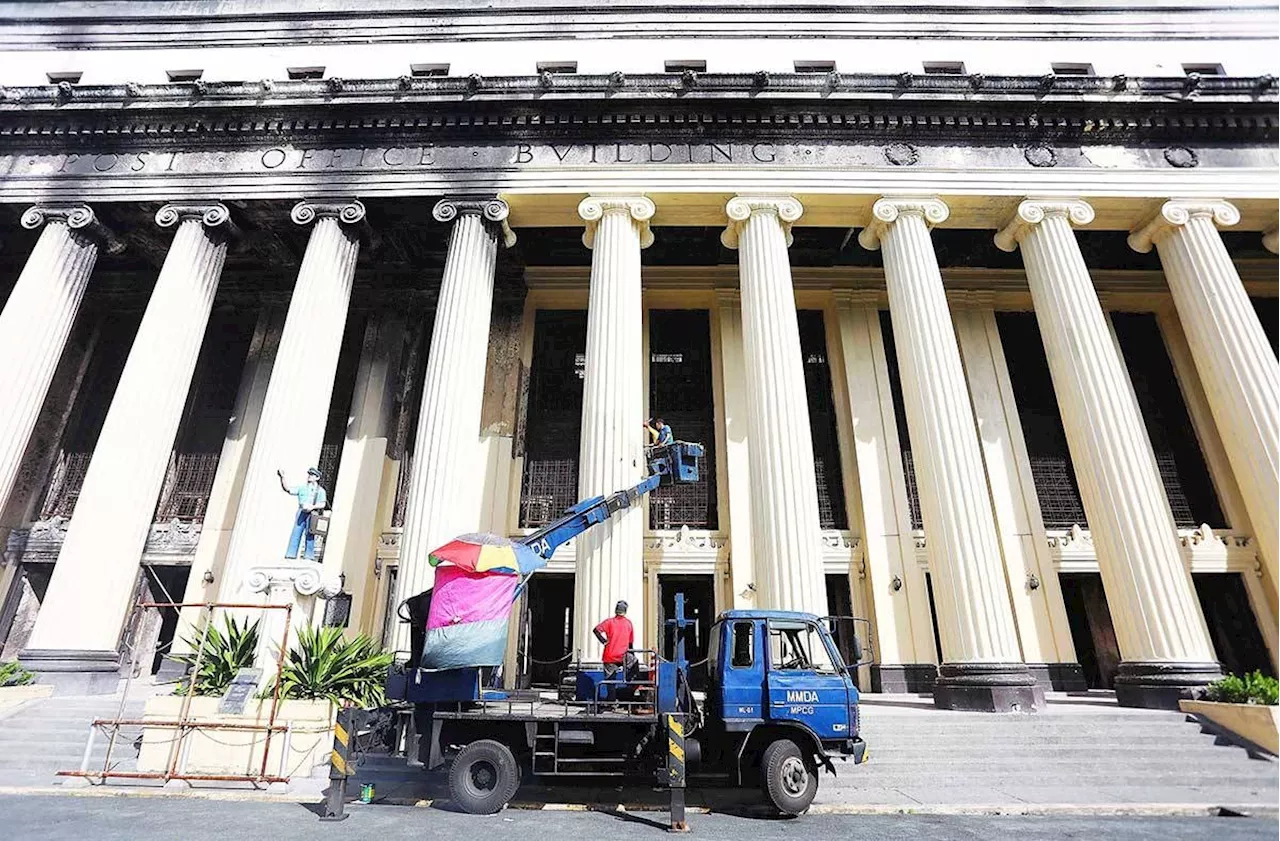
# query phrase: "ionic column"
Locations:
[[982, 665], [37, 319], [786, 537], [444, 498], [75, 637], [296, 407], [611, 457], [1237, 367], [1164, 644]]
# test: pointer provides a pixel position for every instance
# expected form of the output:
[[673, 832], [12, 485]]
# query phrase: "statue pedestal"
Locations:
[[296, 583]]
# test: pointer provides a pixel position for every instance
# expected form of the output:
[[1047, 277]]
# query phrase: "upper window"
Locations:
[[681, 65], [1204, 69], [306, 72], [429, 69], [72, 76], [557, 67], [948, 68], [183, 75], [815, 66], [1067, 68]]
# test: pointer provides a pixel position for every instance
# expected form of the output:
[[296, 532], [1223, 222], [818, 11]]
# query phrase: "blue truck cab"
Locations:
[[777, 677]]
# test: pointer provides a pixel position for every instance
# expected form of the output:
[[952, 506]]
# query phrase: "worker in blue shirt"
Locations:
[[660, 432], [311, 498]]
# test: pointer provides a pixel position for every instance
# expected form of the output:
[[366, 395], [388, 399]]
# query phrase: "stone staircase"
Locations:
[[49, 735], [1079, 750]]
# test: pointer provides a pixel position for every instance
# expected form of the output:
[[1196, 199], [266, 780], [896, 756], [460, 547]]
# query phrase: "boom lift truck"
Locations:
[[780, 704]]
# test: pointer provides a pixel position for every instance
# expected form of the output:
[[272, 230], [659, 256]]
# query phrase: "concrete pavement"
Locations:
[[64, 818]]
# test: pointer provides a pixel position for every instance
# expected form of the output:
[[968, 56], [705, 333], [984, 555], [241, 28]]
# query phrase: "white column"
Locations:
[[37, 319], [444, 491], [609, 557], [296, 407], [1164, 644], [734, 460], [786, 536], [1237, 367], [982, 666], [93, 582]]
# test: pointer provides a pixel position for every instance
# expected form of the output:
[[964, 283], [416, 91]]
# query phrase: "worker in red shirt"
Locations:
[[618, 637]]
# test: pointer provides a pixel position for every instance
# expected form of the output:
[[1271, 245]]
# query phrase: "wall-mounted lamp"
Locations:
[[749, 593], [207, 578], [896, 584], [1033, 582]]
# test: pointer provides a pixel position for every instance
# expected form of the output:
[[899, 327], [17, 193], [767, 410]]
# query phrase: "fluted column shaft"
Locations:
[[36, 321], [610, 556], [1232, 355], [444, 497], [1158, 623], [92, 585], [975, 619], [296, 407], [786, 538]]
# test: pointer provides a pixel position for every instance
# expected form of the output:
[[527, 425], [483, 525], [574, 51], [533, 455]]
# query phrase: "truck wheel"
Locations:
[[484, 777], [790, 782]]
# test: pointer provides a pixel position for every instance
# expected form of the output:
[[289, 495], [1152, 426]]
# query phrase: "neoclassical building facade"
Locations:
[[981, 343]]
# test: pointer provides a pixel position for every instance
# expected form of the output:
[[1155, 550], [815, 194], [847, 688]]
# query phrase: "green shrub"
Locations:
[[1253, 688], [322, 665], [12, 674], [226, 651]]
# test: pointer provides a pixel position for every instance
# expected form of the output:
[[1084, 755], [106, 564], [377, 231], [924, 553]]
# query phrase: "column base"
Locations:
[[987, 687], [1160, 685], [72, 672], [1060, 677], [903, 677]]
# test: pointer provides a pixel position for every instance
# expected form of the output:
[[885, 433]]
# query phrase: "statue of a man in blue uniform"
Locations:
[[311, 501]]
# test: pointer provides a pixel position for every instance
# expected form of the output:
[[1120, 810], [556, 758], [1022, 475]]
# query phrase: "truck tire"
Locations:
[[789, 780], [484, 777]]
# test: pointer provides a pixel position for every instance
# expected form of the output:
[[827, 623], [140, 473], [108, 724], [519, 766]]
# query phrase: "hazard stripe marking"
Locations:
[[675, 750], [340, 733]]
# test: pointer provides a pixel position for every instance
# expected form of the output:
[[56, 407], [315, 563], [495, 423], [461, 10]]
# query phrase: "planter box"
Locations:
[[14, 696], [1255, 723], [215, 751]]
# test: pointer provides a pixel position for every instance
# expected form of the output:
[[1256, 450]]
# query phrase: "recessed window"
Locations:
[[183, 75], [944, 68], [557, 67], [1204, 69], [815, 66], [1066, 68], [72, 76], [421, 70], [681, 65], [306, 72]]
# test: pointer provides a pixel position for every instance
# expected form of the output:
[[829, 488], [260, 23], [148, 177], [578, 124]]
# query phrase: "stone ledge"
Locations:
[[1253, 724]]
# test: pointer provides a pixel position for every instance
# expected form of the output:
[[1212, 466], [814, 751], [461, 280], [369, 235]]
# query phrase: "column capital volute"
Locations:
[[639, 208], [212, 215], [1175, 213], [76, 216], [889, 209], [1270, 239], [492, 211], [741, 208], [1031, 212], [347, 212]]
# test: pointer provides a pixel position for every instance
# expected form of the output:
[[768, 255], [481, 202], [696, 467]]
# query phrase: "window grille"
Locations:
[[553, 416], [822, 421], [187, 485], [64, 488]]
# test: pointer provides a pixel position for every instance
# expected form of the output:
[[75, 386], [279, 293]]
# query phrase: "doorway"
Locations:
[[1232, 624], [548, 628], [840, 603], [700, 606], [1091, 630]]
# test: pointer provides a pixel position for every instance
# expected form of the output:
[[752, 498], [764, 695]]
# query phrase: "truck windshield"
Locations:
[[799, 646]]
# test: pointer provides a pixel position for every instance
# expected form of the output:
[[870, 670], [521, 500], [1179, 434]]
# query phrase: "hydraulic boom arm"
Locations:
[[676, 462]]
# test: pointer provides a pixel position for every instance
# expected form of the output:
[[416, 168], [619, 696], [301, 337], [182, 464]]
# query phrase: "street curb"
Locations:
[[1262, 810]]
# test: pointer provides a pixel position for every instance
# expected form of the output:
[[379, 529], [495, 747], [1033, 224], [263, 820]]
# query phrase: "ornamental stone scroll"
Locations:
[[593, 208]]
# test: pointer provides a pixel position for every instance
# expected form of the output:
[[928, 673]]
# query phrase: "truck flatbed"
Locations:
[[547, 709]]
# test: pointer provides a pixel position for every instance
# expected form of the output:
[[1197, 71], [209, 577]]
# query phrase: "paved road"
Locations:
[[63, 818]]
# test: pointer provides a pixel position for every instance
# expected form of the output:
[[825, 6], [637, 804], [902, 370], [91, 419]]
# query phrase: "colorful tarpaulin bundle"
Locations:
[[478, 578]]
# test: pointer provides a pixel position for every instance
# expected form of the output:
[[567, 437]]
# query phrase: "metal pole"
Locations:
[[339, 766], [676, 772]]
